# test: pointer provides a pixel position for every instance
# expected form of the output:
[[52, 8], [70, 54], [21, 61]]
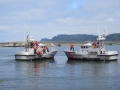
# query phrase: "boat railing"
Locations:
[[76, 50]]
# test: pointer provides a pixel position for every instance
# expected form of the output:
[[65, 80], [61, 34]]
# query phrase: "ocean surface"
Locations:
[[58, 73]]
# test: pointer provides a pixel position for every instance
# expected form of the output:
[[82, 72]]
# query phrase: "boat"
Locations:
[[59, 45], [35, 51], [93, 51]]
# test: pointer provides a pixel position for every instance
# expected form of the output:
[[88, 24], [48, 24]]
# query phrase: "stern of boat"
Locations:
[[109, 55]]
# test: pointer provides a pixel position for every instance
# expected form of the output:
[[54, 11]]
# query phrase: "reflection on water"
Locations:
[[42, 64], [33, 67], [94, 67], [57, 74]]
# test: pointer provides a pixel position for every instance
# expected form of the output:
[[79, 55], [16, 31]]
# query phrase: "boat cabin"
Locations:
[[85, 46], [42, 45]]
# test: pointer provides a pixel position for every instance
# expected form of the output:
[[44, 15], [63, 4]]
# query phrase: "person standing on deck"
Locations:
[[32, 44], [35, 49], [71, 47], [36, 43], [46, 47], [39, 53], [26, 46]]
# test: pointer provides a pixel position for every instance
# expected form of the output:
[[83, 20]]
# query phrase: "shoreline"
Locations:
[[21, 44]]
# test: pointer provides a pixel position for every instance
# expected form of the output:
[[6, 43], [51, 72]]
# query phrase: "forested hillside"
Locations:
[[74, 37], [82, 37], [113, 37]]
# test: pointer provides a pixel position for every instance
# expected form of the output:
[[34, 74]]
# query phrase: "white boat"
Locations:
[[29, 53], [95, 51]]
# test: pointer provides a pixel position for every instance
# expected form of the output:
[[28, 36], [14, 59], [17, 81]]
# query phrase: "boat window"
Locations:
[[85, 46]]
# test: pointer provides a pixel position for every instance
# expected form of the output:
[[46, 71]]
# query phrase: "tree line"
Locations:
[[82, 37]]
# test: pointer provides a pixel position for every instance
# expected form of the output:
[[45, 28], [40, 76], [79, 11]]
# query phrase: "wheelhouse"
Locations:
[[85, 46]]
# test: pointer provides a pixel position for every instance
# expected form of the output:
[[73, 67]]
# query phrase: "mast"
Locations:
[[101, 38], [27, 40]]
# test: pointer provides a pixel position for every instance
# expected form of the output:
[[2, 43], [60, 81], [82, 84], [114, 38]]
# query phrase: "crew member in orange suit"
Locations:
[[32, 44], [71, 47], [35, 49], [46, 47], [36, 43], [39, 53]]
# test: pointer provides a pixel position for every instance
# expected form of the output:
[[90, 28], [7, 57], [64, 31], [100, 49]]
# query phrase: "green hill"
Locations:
[[113, 37], [74, 37], [82, 37]]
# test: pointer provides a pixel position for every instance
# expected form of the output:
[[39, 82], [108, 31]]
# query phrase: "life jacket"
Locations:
[[36, 43], [32, 43], [46, 47], [71, 45], [35, 47]]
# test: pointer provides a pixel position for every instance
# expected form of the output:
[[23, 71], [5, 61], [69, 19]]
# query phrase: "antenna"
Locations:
[[24, 31], [104, 31]]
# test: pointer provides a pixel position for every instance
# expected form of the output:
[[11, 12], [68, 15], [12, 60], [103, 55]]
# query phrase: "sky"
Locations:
[[49, 18]]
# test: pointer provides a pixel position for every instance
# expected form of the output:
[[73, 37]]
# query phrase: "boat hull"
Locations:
[[82, 56], [108, 57], [24, 57], [28, 56]]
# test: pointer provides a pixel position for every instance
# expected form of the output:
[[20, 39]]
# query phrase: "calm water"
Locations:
[[58, 73]]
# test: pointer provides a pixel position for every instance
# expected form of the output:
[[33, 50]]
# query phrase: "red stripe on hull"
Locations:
[[71, 55]]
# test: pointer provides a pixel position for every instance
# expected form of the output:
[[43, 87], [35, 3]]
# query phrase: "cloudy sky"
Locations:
[[48, 18]]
